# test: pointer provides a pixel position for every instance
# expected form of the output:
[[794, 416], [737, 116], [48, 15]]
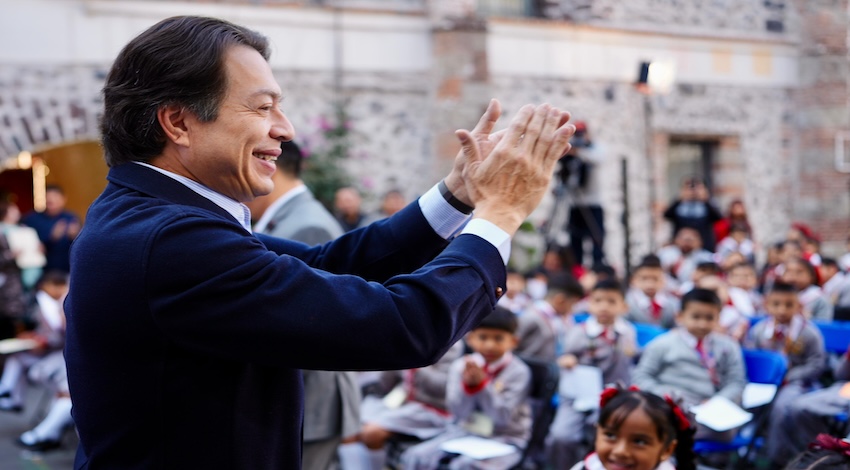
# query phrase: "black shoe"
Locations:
[[39, 446]]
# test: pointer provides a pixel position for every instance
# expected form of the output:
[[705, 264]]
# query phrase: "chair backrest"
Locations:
[[765, 367], [836, 335], [646, 332], [545, 377], [581, 317]]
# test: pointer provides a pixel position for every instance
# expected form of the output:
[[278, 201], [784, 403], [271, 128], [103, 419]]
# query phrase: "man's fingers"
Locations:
[[517, 128], [534, 131], [547, 134], [560, 145], [488, 119], [468, 145]]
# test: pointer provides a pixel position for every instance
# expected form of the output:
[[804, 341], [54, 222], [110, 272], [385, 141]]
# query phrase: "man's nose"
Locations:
[[281, 128]]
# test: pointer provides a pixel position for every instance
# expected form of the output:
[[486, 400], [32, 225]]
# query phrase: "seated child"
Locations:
[[787, 331], [542, 326], [693, 361], [487, 392], [605, 341], [732, 321], [802, 275], [743, 289], [47, 435], [414, 405], [812, 413], [836, 283], [647, 299], [49, 334], [640, 431]]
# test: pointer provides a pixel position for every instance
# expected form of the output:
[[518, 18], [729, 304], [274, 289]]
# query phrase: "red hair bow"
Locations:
[[612, 392], [683, 422], [827, 442]]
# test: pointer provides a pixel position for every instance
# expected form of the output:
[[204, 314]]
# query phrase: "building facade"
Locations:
[[757, 104]]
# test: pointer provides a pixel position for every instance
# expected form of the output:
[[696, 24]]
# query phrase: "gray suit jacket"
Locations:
[[331, 399]]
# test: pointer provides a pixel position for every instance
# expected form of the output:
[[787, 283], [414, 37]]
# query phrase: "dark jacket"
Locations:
[[180, 354]]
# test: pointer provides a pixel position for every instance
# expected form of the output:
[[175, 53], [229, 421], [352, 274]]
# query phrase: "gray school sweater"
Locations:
[[805, 351], [504, 400], [669, 365]]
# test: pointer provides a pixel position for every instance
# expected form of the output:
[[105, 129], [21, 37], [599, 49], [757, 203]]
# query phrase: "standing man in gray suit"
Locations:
[[332, 399]]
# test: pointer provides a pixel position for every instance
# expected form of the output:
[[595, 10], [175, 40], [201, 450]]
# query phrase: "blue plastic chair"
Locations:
[[836, 335], [764, 367], [581, 317], [646, 332]]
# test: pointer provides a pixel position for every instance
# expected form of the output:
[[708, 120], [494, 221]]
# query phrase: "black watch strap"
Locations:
[[452, 200]]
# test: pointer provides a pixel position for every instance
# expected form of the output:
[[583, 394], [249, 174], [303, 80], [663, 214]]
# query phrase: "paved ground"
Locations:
[[13, 457]]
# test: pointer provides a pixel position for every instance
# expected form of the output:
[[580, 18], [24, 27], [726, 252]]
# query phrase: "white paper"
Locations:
[[13, 345], [477, 447], [721, 414], [25, 243], [582, 384], [756, 395]]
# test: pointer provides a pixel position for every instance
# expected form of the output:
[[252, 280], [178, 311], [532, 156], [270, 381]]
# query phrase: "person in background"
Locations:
[[738, 241], [543, 326], [56, 228], [826, 452], [331, 398], [743, 283], [693, 361], [413, 405], [787, 332], [803, 276], [487, 393], [736, 214], [392, 202], [693, 209], [605, 341], [347, 209], [25, 245], [681, 258], [647, 297], [836, 283], [582, 178], [48, 332]]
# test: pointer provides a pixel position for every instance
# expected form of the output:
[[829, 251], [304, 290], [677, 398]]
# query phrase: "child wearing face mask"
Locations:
[[640, 431]]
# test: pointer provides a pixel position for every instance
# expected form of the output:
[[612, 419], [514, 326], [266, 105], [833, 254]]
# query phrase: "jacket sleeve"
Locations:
[[214, 290], [649, 367]]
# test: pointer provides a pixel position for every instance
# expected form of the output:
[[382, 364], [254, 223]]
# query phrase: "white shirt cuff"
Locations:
[[441, 216], [493, 234]]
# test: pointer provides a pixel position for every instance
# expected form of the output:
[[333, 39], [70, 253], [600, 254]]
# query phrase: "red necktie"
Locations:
[[707, 362], [656, 309]]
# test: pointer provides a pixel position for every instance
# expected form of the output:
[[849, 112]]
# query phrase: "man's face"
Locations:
[[229, 155], [54, 202], [347, 201], [699, 319], [782, 306], [649, 280], [743, 277]]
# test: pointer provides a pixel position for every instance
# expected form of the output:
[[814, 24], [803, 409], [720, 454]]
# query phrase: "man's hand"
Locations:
[[507, 174], [486, 141], [567, 361]]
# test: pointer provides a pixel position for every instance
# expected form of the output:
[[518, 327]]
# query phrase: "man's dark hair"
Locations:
[[501, 319], [703, 296], [178, 61], [290, 159]]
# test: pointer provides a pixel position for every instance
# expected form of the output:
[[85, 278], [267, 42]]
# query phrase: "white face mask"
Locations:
[[536, 289]]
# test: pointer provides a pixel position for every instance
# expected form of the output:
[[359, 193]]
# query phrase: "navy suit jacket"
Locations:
[[179, 353]]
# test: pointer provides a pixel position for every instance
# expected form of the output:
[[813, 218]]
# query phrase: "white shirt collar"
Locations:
[[239, 211], [792, 331], [261, 224], [592, 462], [690, 339], [594, 329]]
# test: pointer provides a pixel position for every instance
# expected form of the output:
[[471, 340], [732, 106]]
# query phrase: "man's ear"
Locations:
[[172, 119]]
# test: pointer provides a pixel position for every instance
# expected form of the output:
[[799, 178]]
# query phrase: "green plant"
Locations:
[[324, 156]]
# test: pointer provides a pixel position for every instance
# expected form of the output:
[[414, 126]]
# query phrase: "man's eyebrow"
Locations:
[[268, 92]]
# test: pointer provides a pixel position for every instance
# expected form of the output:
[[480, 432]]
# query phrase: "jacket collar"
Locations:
[[153, 183]]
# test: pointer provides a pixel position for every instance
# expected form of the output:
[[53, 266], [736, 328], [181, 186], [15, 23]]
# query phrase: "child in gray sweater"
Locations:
[[693, 361]]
